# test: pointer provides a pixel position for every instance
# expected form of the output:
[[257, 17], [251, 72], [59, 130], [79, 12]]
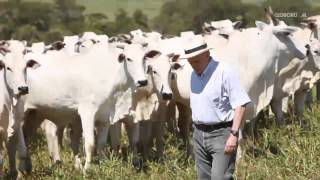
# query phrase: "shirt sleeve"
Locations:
[[237, 94]]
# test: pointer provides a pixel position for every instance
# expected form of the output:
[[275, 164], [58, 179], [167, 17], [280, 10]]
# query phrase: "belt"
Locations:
[[206, 128]]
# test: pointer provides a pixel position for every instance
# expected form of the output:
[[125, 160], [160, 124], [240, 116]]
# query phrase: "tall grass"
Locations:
[[290, 152]]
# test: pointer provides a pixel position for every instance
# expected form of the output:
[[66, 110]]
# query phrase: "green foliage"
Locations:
[[292, 6], [181, 15], [50, 19]]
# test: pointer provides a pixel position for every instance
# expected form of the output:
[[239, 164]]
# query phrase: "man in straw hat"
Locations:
[[218, 103]]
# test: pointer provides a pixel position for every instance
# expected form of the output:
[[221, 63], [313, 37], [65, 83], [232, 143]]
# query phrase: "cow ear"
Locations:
[[128, 41], [312, 26], [33, 64], [121, 57], [284, 30], [58, 45], [173, 57], [261, 25], [152, 54], [176, 66], [3, 50], [237, 24], [2, 65], [149, 69]]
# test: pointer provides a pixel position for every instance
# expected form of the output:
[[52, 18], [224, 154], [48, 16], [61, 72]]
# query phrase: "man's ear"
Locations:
[[33, 64], [121, 57]]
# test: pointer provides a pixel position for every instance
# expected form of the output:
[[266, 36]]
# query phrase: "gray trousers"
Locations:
[[211, 161]]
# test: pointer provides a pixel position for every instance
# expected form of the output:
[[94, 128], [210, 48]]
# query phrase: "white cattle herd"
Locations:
[[93, 84]]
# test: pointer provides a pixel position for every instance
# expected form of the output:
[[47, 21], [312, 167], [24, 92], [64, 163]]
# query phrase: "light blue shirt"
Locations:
[[215, 94]]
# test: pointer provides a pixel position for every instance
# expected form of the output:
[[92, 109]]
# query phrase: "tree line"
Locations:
[[43, 21]]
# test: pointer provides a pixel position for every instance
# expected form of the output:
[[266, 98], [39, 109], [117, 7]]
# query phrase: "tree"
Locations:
[[140, 19]]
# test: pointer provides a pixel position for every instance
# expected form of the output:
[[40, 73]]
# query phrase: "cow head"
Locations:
[[158, 68], [14, 67], [281, 37], [56, 46], [314, 42], [132, 57]]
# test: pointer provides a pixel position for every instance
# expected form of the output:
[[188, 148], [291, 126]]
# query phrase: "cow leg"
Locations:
[[115, 136], [133, 136], [309, 99], [60, 131], [11, 149], [75, 135], [184, 123], [102, 135], [276, 107], [87, 115], [171, 120], [299, 100], [145, 128], [32, 122], [1, 158], [158, 128], [25, 164], [318, 91], [51, 131]]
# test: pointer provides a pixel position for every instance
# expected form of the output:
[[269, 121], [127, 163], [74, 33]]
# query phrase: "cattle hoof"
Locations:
[[25, 166], [137, 163]]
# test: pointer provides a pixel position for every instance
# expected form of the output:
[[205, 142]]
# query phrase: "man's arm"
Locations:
[[232, 142], [238, 117]]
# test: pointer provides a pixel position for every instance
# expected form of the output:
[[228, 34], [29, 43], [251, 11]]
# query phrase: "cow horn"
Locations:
[[270, 16]]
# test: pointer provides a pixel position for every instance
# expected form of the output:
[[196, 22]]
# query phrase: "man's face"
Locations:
[[200, 62]]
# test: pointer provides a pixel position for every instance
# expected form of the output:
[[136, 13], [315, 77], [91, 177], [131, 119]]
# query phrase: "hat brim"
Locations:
[[191, 55]]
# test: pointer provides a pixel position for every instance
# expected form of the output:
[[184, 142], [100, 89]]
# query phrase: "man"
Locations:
[[217, 102]]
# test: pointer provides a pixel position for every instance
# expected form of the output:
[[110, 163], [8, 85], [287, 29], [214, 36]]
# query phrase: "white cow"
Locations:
[[221, 27], [297, 77], [148, 105], [70, 44], [13, 86], [138, 36], [86, 85], [89, 39]]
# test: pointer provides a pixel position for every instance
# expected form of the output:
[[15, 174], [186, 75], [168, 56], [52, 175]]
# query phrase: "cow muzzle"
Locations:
[[166, 96], [23, 90], [142, 83]]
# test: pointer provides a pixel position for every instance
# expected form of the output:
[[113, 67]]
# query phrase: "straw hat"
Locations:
[[194, 46]]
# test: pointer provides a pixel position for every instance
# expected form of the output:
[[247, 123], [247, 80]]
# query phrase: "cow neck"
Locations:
[[123, 82]]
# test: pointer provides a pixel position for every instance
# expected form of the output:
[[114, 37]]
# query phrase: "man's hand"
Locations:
[[231, 145]]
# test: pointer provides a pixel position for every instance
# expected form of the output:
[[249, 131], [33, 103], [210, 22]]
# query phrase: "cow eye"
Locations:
[[316, 52], [129, 59], [154, 72], [9, 69]]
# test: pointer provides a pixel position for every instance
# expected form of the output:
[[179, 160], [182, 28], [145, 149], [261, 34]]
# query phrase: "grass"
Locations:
[[290, 152]]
